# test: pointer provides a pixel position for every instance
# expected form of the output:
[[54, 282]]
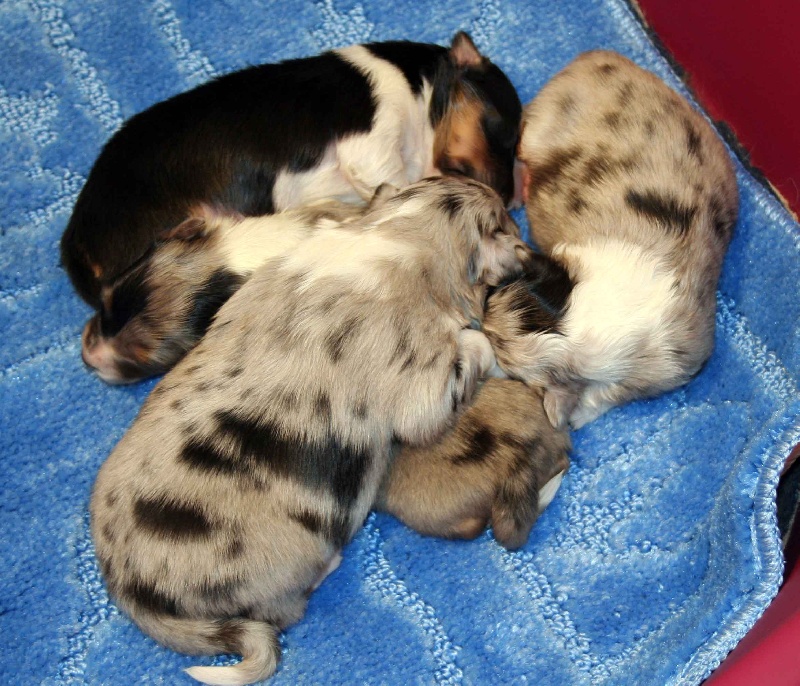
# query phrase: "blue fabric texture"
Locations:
[[661, 549]]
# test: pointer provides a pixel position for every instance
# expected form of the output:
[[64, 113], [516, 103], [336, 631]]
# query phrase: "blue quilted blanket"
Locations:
[[661, 549]]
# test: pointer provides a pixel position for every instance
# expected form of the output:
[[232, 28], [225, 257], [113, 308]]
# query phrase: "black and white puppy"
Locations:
[[278, 136], [633, 197], [257, 458]]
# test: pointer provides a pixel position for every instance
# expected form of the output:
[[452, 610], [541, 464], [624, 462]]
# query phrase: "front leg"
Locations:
[[474, 360], [439, 394], [367, 163]]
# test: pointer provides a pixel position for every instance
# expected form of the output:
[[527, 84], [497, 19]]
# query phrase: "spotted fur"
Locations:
[[492, 466], [633, 194], [215, 518]]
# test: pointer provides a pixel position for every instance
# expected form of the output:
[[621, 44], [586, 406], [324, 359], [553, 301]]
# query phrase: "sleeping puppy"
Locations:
[[256, 459], [502, 462], [278, 136], [157, 310], [632, 193]]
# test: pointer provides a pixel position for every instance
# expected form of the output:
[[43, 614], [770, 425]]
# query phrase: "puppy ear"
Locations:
[[463, 52], [187, 230], [522, 179], [382, 194], [524, 253], [558, 405]]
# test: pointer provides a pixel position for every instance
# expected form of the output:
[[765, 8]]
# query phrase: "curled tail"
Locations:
[[256, 642]]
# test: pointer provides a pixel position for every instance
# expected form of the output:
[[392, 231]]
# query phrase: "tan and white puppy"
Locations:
[[501, 463], [258, 456], [634, 196]]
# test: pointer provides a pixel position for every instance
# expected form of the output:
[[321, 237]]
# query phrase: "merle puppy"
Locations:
[[256, 459], [502, 463], [634, 196], [276, 136]]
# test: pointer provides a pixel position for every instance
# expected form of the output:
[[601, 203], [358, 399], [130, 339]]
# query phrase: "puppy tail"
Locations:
[[256, 642]]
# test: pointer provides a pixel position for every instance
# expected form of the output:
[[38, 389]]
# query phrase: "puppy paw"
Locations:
[[474, 360]]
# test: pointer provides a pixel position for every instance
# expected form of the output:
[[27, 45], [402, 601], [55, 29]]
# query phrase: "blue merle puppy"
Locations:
[[634, 196], [256, 459]]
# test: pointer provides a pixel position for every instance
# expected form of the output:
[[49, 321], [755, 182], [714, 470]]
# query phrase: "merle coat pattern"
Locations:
[[259, 455], [277, 136], [634, 196], [502, 463]]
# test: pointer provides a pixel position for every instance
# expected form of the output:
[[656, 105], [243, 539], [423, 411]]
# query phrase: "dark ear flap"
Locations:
[[463, 52], [187, 230], [549, 279]]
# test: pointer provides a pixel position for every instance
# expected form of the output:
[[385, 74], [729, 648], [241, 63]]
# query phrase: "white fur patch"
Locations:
[[345, 254], [549, 490], [618, 308], [248, 243], [397, 150]]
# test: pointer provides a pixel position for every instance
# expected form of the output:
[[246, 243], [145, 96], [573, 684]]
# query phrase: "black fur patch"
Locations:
[[403, 346], [663, 209], [223, 142], [597, 168], [576, 202], [625, 94], [693, 141], [451, 205], [128, 299], [220, 286], [480, 444], [146, 596], [229, 635], [220, 591], [336, 341], [360, 409], [538, 297], [334, 529], [204, 456], [261, 445], [171, 520], [722, 219], [322, 406], [417, 61], [549, 172], [235, 548]]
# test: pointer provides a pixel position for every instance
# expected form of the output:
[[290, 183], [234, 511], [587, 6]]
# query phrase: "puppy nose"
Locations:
[[97, 353]]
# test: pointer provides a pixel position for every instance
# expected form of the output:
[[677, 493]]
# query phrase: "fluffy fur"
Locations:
[[277, 136], [259, 455], [502, 462], [633, 195], [158, 309]]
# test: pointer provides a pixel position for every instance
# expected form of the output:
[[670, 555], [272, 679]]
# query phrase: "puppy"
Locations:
[[277, 136], [502, 462], [157, 310], [256, 459], [632, 193]]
